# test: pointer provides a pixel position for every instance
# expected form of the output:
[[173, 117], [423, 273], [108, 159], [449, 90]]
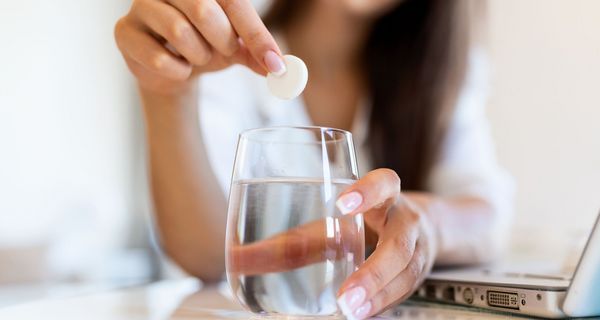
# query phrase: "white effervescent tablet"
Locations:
[[290, 84]]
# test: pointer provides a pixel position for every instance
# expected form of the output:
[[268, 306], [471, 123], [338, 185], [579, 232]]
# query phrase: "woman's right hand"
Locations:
[[168, 43]]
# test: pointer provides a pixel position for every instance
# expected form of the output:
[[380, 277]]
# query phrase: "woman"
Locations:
[[391, 71]]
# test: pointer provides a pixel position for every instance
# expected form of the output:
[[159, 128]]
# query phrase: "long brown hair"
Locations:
[[414, 63]]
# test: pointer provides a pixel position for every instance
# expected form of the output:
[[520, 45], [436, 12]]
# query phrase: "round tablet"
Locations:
[[290, 84]]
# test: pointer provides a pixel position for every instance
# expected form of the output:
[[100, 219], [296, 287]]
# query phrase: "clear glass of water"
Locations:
[[288, 248]]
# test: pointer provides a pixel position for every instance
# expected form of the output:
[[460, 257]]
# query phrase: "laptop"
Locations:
[[532, 294]]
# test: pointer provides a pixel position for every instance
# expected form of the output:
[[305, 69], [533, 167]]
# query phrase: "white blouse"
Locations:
[[237, 99]]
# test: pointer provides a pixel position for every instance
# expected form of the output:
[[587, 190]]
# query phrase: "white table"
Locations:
[[186, 299]]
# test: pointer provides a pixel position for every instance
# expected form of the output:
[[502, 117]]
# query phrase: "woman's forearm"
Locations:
[[190, 208], [468, 229]]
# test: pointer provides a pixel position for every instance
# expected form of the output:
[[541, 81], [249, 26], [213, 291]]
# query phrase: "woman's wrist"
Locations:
[[428, 206], [171, 117], [168, 93], [183, 100], [462, 227]]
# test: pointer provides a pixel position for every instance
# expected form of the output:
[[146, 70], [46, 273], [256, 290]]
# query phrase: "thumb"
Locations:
[[242, 56]]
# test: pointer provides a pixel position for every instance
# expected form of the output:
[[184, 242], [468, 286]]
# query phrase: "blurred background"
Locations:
[[75, 214]]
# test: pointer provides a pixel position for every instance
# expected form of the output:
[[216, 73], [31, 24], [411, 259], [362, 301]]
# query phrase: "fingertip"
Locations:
[[352, 302], [268, 57], [274, 63], [346, 311], [392, 177], [349, 202], [376, 187], [353, 281]]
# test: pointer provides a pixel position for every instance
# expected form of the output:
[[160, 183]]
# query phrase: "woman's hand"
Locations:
[[166, 44], [405, 237], [406, 245]]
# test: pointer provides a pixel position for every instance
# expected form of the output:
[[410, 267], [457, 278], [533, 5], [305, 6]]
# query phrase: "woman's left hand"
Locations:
[[406, 245]]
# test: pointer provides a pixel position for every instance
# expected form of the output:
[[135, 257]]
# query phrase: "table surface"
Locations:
[[186, 299]]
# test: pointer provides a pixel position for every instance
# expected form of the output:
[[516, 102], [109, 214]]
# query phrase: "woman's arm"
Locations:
[[167, 45], [467, 228], [190, 207]]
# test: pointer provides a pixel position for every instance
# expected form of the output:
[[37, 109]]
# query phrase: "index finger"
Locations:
[[253, 32], [371, 191]]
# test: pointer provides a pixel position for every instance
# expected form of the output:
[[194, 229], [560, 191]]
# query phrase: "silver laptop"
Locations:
[[535, 294]]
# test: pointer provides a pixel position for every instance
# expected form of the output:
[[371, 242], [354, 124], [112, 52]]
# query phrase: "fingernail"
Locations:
[[362, 311], [274, 63], [350, 300], [349, 202]]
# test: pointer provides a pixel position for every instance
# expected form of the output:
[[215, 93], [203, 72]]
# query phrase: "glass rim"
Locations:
[[247, 132]]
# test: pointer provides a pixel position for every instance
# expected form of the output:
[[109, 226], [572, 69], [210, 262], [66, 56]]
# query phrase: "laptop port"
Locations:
[[503, 299], [468, 295], [430, 291], [448, 294]]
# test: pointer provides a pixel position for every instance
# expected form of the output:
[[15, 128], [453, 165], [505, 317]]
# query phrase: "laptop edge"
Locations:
[[543, 297]]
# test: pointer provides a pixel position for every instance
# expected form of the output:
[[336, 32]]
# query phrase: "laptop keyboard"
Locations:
[[546, 277], [528, 275]]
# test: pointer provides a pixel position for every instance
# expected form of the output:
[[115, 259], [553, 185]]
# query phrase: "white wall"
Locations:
[[545, 110], [68, 137]]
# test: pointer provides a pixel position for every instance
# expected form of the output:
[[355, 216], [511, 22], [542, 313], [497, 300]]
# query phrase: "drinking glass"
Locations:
[[288, 248]]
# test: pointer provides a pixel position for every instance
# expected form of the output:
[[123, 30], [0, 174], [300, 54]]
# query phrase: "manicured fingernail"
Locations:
[[350, 300], [349, 202], [274, 63], [363, 311]]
